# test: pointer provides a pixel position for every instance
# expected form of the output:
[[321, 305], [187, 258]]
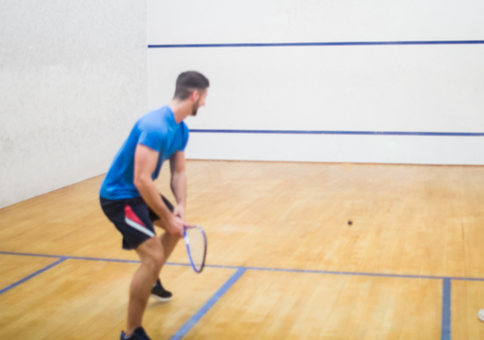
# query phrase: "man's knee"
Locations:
[[152, 256], [175, 236], [155, 262], [172, 234]]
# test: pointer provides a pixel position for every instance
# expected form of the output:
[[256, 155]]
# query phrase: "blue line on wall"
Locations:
[[446, 306], [205, 308], [309, 132], [353, 43]]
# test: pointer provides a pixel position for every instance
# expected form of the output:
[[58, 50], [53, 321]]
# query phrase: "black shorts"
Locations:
[[133, 218]]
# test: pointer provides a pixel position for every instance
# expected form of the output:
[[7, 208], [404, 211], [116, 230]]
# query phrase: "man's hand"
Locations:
[[176, 226], [179, 211]]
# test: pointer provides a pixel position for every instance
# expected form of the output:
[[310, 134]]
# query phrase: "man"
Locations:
[[131, 201]]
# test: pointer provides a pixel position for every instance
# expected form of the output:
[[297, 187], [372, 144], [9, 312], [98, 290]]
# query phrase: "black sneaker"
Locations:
[[160, 293], [139, 334]]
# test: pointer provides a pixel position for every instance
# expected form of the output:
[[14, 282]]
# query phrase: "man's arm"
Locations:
[[179, 182], [145, 161]]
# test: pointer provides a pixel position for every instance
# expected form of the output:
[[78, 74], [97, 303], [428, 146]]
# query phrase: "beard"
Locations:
[[195, 108]]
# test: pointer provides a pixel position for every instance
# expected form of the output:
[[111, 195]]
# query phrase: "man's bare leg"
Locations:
[[168, 241], [152, 257]]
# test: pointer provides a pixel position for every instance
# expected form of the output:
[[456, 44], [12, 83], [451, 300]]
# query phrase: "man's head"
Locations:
[[192, 85]]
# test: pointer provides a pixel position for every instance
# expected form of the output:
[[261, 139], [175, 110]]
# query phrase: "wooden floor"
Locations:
[[283, 263]]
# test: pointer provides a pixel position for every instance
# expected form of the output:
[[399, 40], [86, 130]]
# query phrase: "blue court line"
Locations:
[[313, 132], [32, 275], [288, 270], [209, 304], [446, 290], [309, 271], [446, 307], [30, 254], [351, 43], [401, 276], [70, 257]]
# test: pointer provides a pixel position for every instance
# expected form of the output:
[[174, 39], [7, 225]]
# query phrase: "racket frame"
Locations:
[[187, 244]]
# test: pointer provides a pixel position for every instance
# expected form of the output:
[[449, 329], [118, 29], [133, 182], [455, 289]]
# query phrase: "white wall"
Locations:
[[408, 88], [73, 80]]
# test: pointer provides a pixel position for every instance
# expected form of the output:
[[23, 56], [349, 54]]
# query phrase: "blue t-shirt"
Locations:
[[157, 130]]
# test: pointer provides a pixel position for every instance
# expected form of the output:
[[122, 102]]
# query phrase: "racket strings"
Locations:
[[197, 245]]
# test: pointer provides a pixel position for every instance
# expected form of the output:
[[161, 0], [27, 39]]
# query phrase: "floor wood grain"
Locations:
[[406, 220]]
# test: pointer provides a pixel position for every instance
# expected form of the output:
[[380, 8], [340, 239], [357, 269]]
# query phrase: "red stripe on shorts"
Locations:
[[130, 214]]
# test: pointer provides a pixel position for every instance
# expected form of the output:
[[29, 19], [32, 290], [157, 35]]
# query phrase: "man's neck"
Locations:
[[181, 109]]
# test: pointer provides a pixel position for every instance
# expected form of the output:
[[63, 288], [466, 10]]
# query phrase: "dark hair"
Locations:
[[189, 81]]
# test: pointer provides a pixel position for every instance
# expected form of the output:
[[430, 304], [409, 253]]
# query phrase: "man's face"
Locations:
[[200, 102]]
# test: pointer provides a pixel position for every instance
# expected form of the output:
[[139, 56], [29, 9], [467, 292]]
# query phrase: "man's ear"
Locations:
[[195, 95]]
